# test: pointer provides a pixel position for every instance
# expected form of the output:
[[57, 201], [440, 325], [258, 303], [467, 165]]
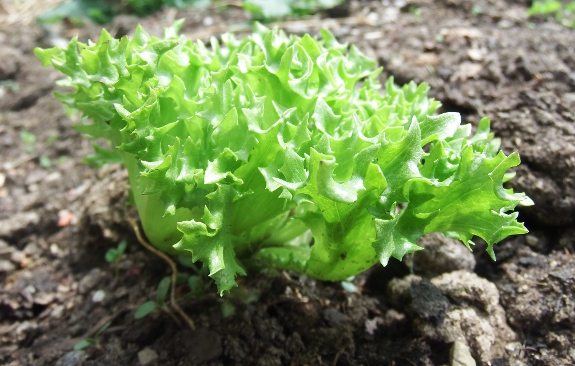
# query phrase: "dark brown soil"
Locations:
[[481, 58]]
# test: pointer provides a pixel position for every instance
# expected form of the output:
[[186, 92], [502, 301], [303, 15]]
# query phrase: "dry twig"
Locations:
[[172, 265]]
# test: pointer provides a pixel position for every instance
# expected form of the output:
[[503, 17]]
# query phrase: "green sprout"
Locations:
[[113, 256], [45, 161], [199, 282], [159, 303], [92, 341], [29, 140], [476, 10]]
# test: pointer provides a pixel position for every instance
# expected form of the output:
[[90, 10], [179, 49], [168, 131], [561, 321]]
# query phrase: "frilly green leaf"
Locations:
[[240, 153]]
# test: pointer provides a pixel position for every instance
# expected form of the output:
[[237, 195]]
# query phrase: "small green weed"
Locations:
[[29, 140], [415, 11], [113, 256], [198, 282], [92, 341], [45, 162], [51, 139], [159, 303]]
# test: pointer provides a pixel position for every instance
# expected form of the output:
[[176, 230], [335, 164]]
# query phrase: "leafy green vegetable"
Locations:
[[102, 156], [280, 151]]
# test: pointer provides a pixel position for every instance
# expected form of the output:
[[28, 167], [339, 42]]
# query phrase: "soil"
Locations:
[[59, 216]]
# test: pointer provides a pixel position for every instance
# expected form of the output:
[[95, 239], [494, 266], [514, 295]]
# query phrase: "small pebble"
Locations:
[[56, 251], [6, 266], [73, 358], [98, 296], [6, 250], [147, 356], [90, 280], [57, 312], [208, 21]]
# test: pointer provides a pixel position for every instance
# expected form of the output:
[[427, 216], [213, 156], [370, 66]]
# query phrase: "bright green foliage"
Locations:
[[564, 13], [242, 153], [544, 7]]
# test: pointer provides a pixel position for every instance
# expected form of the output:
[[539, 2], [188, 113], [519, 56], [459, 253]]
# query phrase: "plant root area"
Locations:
[[442, 306]]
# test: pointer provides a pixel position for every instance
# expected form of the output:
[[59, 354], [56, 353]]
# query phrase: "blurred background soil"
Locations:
[[443, 306]]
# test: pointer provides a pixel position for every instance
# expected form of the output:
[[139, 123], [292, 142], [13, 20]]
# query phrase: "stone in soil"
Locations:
[[470, 313]]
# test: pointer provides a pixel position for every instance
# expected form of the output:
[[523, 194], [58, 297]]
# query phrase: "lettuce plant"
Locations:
[[282, 151]]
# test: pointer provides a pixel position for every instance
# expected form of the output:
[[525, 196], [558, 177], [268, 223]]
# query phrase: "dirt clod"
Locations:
[[427, 301], [198, 346], [441, 255], [459, 355]]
